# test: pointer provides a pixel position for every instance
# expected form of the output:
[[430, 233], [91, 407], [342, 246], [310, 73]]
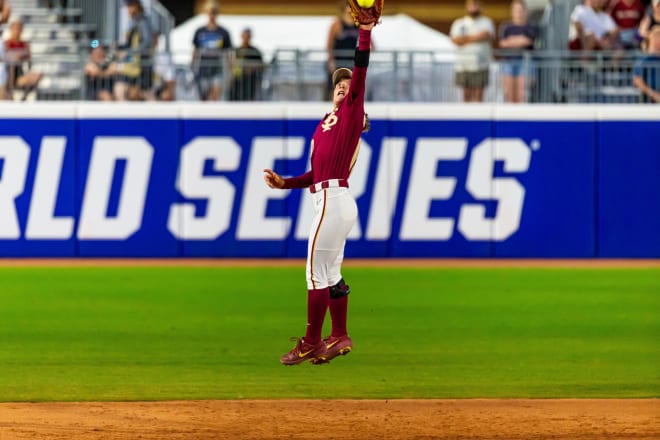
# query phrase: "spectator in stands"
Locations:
[[650, 20], [212, 55], [516, 36], [341, 43], [135, 62], [646, 73], [472, 34], [58, 6], [627, 14], [99, 74], [18, 58], [247, 71], [592, 28], [5, 11], [164, 74]]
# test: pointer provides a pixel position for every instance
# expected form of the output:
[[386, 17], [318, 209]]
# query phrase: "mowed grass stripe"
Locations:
[[149, 333]]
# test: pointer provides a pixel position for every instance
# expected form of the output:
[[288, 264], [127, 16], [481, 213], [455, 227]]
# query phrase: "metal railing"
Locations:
[[555, 23], [106, 17], [399, 76]]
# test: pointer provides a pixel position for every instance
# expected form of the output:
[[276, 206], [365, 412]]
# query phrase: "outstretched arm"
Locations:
[[276, 181], [361, 60]]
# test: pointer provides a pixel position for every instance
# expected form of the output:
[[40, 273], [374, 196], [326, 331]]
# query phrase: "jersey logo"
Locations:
[[329, 122]]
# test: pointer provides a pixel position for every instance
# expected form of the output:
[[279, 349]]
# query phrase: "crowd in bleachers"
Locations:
[[137, 71], [599, 29], [134, 69], [617, 27]]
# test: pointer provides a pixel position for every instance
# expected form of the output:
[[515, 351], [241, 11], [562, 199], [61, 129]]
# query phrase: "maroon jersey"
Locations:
[[627, 16], [337, 137]]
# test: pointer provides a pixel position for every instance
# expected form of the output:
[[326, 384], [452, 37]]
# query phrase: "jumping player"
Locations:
[[334, 151]]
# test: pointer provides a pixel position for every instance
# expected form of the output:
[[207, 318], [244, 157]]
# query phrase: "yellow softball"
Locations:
[[365, 3]]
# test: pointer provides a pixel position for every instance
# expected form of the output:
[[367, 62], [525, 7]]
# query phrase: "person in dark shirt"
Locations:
[[646, 72], [516, 37], [650, 20], [211, 55], [135, 61], [341, 43], [248, 71], [99, 74], [335, 146]]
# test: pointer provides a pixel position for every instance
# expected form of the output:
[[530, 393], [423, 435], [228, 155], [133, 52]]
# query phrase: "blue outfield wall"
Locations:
[[179, 180]]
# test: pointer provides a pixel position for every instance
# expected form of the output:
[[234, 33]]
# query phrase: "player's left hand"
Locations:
[[273, 179], [363, 16]]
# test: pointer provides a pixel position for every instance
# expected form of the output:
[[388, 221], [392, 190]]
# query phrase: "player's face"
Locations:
[[341, 89], [473, 7], [98, 53], [16, 29], [245, 37], [518, 13]]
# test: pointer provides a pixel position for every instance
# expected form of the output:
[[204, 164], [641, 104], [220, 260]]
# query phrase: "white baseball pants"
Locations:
[[336, 213]]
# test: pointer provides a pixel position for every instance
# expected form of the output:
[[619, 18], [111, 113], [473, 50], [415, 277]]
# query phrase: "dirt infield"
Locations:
[[513, 419]]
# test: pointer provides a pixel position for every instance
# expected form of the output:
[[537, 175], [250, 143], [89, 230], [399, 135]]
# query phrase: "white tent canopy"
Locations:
[[269, 33]]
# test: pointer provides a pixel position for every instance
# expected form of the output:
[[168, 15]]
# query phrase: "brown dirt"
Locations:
[[510, 419], [573, 419]]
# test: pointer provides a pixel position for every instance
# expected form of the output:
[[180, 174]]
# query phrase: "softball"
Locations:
[[366, 4]]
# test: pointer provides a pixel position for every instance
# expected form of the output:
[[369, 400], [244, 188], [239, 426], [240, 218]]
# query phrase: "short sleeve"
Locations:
[[609, 23], [195, 40], [533, 32], [454, 31], [503, 30], [576, 15], [491, 25], [228, 37]]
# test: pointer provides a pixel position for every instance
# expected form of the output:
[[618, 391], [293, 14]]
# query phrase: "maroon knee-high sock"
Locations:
[[338, 312], [317, 306]]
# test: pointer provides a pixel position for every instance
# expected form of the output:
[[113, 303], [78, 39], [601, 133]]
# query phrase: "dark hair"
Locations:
[[137, 3]]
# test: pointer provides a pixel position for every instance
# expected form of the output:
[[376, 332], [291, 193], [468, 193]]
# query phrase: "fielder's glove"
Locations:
[[366, 15]]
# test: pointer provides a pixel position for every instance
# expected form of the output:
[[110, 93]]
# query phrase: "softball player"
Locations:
[[335, 146]]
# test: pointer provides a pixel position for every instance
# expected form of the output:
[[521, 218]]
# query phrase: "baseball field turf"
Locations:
[[170, 333]]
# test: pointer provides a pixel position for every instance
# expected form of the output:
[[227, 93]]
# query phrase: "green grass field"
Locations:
[[150, 333]]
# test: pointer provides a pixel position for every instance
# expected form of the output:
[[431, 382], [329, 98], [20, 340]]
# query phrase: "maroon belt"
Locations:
[[332, 183]]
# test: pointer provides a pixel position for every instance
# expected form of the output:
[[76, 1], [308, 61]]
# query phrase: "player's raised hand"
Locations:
[[273, 179]]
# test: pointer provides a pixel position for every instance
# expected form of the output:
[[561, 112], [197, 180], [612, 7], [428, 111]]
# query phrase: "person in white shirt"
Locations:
[[592, 28], [472, 34]]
